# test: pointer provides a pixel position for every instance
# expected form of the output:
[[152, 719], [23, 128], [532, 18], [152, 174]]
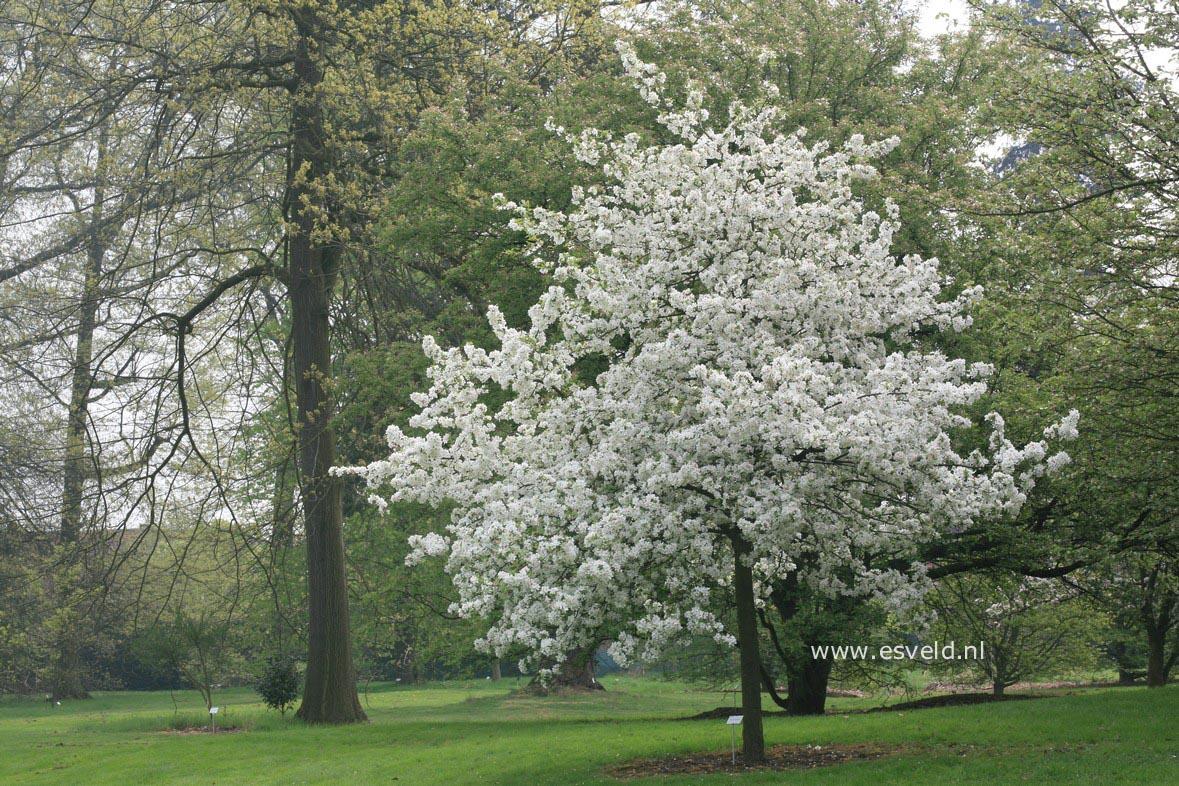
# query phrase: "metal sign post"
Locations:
[[733, 722], [213, 717]]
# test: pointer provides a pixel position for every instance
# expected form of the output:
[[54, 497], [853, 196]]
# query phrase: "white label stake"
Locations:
[[733, 722]]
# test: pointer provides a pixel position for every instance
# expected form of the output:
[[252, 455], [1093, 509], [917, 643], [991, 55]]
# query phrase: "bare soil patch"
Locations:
[[956, 700], [930, 702], [724, 712], [959, 687], [779, 757], [846, 693]]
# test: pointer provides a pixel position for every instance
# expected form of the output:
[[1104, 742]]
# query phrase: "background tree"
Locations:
[[1079, 253], [196, 646], [114, 200], [1023, 627], [1140, 593]]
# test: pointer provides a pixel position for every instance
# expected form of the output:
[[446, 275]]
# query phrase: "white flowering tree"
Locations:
[[759, 388]]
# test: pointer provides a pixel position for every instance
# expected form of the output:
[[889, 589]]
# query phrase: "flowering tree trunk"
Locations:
[[576, 672], [752, 737]]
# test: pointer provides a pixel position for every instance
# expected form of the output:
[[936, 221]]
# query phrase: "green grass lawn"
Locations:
[[480, 733]]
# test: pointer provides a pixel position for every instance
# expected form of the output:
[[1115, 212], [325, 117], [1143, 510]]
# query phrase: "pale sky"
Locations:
[[941, 16]]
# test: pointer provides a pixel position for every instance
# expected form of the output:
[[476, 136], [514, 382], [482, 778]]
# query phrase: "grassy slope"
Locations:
[[476, 733]]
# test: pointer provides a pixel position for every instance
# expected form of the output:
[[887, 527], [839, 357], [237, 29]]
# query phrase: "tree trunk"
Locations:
[[496, 674], [282, 541], [329, 694], [807, 687], [67, 671], [577, 672], [1119, 654], [74, 468], [1156, 660], [753, 745], [806, 676], [999, 671]]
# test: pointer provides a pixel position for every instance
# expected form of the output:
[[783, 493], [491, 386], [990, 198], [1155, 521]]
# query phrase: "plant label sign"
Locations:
[[734, 720], [213, 710]]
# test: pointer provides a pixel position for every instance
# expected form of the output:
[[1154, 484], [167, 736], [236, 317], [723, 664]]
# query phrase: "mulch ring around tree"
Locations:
[[779, 757], [930, 702], [205, 730]]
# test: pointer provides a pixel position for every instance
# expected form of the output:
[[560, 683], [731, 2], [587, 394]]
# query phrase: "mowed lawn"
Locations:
[[481, 733]]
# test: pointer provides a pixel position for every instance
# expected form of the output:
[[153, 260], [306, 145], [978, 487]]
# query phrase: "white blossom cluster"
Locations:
[[758, 370], [1027, 594]]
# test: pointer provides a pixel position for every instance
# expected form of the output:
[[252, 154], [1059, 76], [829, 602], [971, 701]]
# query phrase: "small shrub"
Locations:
[[280, 684]]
